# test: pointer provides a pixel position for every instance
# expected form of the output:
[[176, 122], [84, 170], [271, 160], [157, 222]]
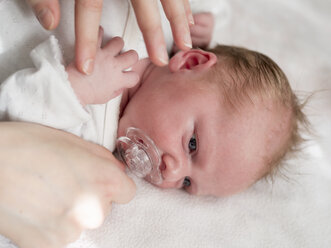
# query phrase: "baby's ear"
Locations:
[[193, 59]]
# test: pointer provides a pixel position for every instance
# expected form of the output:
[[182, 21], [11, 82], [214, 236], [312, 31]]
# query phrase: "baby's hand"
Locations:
[[202, 30], [109, 77]]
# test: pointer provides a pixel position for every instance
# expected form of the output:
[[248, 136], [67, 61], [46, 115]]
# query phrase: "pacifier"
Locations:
[[140, 154]]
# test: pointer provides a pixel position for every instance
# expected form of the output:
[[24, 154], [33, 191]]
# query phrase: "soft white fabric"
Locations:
[[293, 212], [44, 95]]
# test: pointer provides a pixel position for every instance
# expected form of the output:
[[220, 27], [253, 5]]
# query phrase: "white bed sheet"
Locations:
[[294, 211]]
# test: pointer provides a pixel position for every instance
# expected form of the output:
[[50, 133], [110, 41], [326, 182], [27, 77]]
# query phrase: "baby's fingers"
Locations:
[[130, 79], [114, 46], [127, 59]]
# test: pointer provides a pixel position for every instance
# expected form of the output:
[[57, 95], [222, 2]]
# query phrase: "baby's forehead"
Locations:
[[260, 126], [262, 114], [244, 143]]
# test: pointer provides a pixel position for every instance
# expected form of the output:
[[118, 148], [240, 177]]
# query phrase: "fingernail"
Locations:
[[191, 19], [187, 40], [163, 56], [46, 18], [88, 66]]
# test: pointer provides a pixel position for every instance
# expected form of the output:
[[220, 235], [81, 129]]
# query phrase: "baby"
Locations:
[[221, 119]]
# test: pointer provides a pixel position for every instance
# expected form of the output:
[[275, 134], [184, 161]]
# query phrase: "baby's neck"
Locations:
[[141, 67]]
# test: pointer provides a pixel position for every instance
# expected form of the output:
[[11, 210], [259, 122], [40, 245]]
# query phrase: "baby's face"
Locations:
[[219, 152]]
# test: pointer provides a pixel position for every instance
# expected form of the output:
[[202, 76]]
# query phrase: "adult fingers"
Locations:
[[176, 14], [111, 185], [100, 36], [115, 185], [67, 230], [188, 12], [120, 187], [148, 18], [87, 20], [47, 12]]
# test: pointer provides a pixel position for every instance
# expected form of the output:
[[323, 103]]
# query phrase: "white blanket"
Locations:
[[294, 211]]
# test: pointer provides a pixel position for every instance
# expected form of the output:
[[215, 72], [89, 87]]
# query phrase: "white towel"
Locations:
[[293, 213]]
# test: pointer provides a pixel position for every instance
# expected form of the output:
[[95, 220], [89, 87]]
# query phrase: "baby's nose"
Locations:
[[174, 169]]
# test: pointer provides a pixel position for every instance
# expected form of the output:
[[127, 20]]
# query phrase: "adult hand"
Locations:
[[180, 17], [87, 20], [53, 185]]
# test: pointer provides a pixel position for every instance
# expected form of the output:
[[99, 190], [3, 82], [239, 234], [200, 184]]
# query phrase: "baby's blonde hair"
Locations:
[[246, 74]]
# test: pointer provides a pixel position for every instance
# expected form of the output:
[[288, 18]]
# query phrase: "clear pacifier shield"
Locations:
[[140, 154]]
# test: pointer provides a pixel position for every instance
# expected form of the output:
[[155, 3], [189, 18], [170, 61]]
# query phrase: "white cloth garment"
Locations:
[[44, 95], [292, 212]]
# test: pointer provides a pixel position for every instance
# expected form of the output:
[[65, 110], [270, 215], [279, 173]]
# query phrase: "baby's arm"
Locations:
[[109, 77]]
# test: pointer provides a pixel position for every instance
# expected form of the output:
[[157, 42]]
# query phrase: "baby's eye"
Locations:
[[192, 145], [186, 182]]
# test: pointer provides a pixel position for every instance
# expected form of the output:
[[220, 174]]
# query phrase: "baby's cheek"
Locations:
[[240, 181]]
